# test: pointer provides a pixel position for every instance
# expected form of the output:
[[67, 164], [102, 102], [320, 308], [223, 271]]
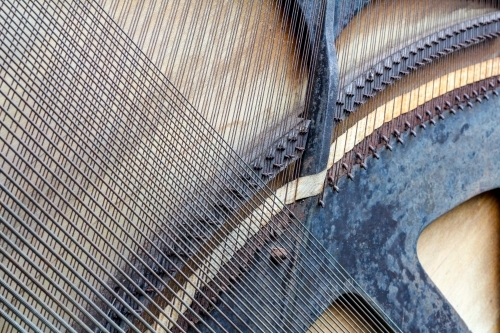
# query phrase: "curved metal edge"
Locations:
[[374, 236]]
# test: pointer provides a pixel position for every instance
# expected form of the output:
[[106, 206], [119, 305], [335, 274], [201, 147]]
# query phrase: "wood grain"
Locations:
[[340, 318], [460, 251], [385, 27], [237, 62]]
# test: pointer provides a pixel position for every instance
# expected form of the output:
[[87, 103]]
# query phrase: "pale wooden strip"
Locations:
[[406, 101], [463, 77], [380, 116], [413, 99], [337, 149], [398, 104], [452, 77], [439, 86], [371, 122], [309, 186], [470, 75], [360, 130], [496, 68], [389, 107]]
